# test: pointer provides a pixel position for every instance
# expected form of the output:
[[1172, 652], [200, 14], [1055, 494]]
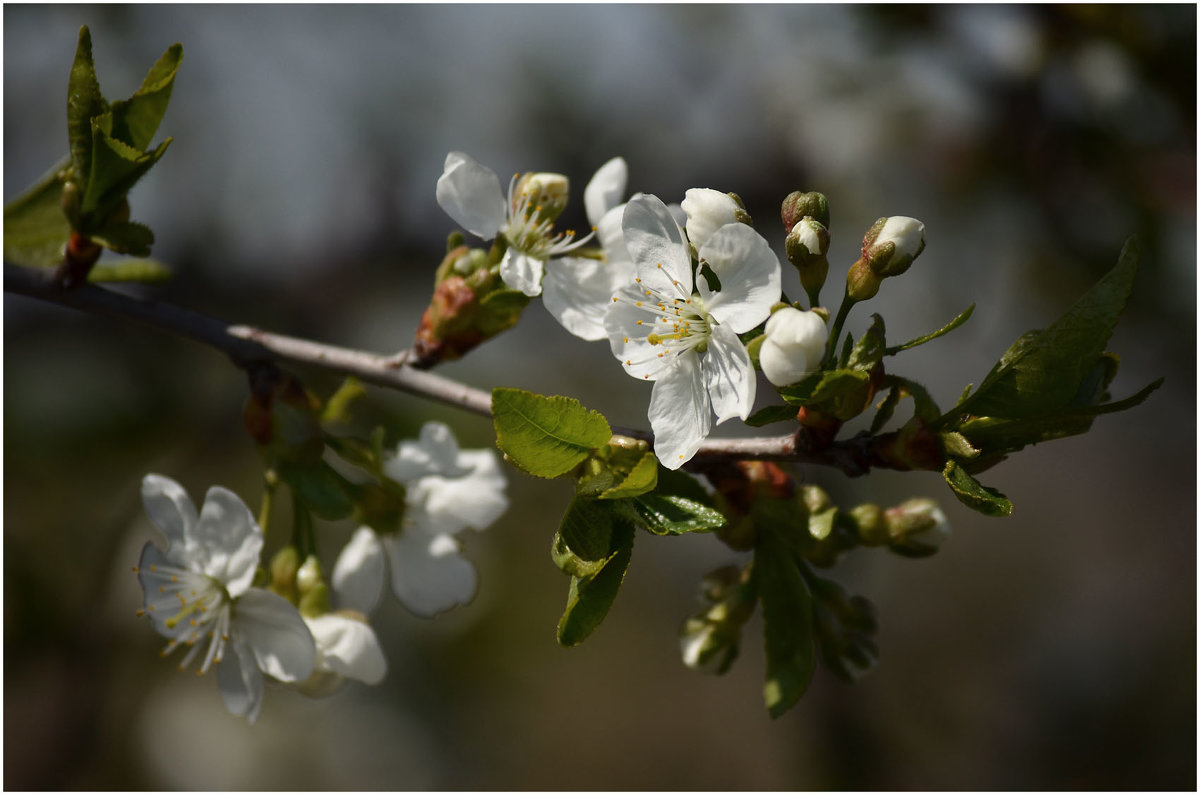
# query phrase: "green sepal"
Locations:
[[972, 494], [546, 436], [1043, 370], [140, 271], [961, 318], [770, 414], [787, 608]]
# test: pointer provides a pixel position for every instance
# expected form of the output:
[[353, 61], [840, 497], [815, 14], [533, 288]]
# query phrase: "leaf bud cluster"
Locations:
[[709, 640]]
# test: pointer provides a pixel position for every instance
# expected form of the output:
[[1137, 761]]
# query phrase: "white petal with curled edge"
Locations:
[[429, 576], [348, 647], [173, 513], [707, 211], [470, 194], [438, 506], [578, 292], [229, 540], [522, 272], [240, 681], [679, 414], [749, 274], [653, 239], [728, 374], [271, 627], [358, 574], [605, 189], [434, 453], [612, 239]]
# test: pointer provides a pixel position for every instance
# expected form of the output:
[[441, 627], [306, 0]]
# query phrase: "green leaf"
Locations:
[[116, 168], [962, 317], [923, 404], [1000, 435], [126, 237], [321, 488], [956, 445], [770, 414], [139, 271], [787, 609], [589, 535], [35, 229], [84, 101], [590, 598], [641, 479], [668, 514], [886, 409], [868, 351], [1043, 371], [824, 386], [337, 408], [681, 484], [546, 436], [135, 120], [970, 493]]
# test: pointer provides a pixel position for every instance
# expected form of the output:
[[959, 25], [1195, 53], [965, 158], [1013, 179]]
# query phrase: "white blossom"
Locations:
[[681, 333], [908, 236], [346, 649], [793, 345], [446, 491], [707, 211], [197, 593], [470, 194]]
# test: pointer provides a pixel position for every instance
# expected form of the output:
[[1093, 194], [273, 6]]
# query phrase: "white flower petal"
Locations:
[[228, 540], [240, 681], [627, 326], [656, 244], [271, 627], [728, 374], [578, 292], [358, 574], [429, 575], [347, 647], [605, 189], [522, 272], [434, 453], [793, 345], [707, 211], [470, 194], [612, 238], [438, 505], [173, 513], [749, 274], [680, 414]]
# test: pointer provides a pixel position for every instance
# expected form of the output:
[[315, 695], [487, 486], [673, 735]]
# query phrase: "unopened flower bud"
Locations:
[[284, 566], [542, 192], [793, 345], [892, 244], [869, 524], [798, 205], [308, 576], [862, 282], [917, 527], [707, 211]]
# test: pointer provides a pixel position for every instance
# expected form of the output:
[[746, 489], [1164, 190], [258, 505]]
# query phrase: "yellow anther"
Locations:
[[638, 280], [153, 567], [135, 569], [174, 578], [162, 589], [629, 362], [654, 339], [625, 339], [659, 265], [614, 299]]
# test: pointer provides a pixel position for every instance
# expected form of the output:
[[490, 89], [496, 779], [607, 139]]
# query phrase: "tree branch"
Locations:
[[247, 346]]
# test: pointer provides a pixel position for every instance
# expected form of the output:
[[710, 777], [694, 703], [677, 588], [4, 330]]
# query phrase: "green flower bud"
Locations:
[[916, 527], [308, 576], [869, 525], [797, 206], [891, 244], [316, 602], [862, 282], [283, 569]]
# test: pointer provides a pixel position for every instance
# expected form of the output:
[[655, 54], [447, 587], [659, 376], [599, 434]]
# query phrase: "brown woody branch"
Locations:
[[248, 346]]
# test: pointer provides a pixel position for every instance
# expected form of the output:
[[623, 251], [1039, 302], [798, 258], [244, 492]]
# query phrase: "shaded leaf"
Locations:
[[140, 271], [770, 414], [787, 609], [962, 317], [972, 494], [135, 120], [84, 101], [668, 514], [126, 237], [35, 229], [590, 598]]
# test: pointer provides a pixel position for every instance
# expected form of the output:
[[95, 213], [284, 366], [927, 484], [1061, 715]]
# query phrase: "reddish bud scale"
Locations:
[[913, 447], [819, 427], [80, 255], [446, 330]]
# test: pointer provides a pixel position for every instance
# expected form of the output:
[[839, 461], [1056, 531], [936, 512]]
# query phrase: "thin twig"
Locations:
[[247, 345]]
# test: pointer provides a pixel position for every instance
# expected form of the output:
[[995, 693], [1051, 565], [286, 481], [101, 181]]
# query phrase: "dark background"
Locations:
[[1054, 649]]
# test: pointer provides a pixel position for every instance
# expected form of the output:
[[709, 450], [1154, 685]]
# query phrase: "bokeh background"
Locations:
[[1054, 649]]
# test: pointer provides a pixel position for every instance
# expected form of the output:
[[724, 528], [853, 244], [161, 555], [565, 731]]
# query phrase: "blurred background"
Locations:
[[1054, 649]]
